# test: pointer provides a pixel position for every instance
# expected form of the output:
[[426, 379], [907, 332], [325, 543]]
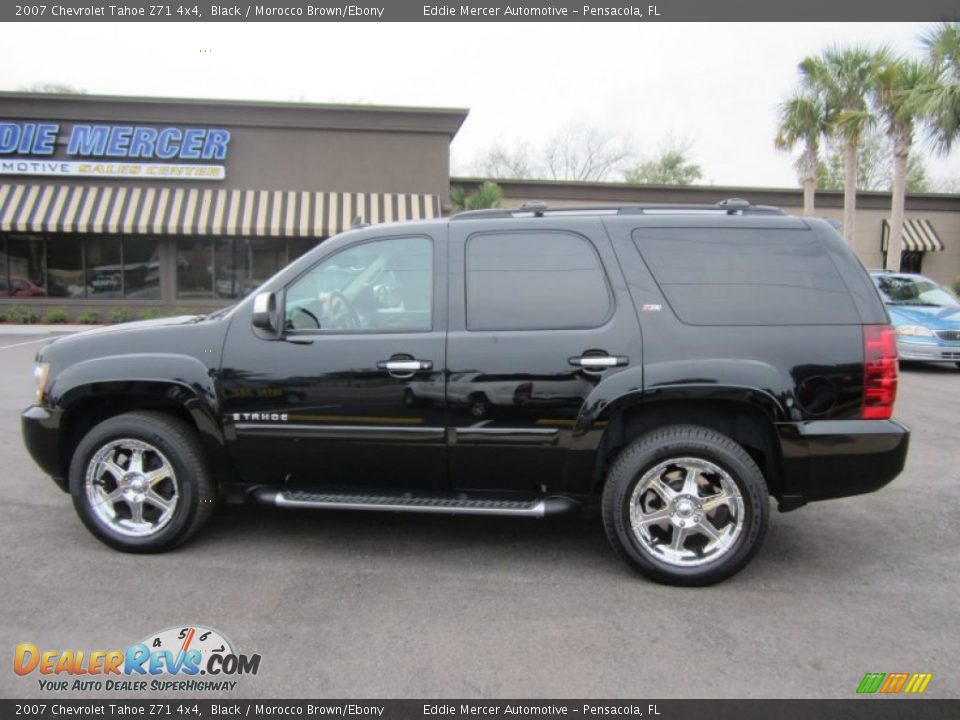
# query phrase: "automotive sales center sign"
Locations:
[[113, 151]]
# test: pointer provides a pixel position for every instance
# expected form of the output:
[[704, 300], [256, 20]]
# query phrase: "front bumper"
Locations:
[[827, 459], [41, 436], [929, 351]]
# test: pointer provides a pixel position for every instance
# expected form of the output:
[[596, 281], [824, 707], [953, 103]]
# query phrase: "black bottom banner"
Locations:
[[855, 709]]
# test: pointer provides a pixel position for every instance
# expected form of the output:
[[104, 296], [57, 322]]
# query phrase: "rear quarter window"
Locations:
[[738, 276]]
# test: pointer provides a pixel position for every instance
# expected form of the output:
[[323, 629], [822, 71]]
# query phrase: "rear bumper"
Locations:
[[837, 458], [41, 436]]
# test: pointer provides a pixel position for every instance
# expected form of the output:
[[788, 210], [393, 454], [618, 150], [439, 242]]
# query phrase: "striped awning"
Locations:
[[918, 236], [199, 211]]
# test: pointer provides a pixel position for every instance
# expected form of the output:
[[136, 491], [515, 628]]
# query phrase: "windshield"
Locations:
[[906, 290]]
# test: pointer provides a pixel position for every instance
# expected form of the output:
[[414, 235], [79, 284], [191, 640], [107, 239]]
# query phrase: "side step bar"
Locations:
[[450, 504]]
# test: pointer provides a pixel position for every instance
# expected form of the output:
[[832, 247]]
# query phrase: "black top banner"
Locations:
[[482, 11]]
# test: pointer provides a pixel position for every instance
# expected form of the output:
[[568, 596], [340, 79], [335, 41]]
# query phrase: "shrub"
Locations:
[[182, 311], [22, 314], [4, 314], [149, 314], [956, 286], [55, 316], [121, 315], [88, 318]]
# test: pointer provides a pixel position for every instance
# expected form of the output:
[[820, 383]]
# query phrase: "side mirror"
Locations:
[[267, 315]]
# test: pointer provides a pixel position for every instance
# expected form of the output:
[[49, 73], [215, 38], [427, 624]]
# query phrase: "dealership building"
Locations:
[[147, 203], [110, 202]]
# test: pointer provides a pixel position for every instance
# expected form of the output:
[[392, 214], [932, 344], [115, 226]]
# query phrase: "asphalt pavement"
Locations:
[[366, 605]]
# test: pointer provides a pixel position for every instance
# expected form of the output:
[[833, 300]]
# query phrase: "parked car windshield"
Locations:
[[906, 290]]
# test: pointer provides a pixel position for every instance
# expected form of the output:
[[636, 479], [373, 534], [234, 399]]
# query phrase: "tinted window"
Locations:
[[534, 281], [746, 277], [384, 285]]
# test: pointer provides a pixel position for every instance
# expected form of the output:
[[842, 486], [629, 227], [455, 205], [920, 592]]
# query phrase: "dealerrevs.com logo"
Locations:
[[172, 660]]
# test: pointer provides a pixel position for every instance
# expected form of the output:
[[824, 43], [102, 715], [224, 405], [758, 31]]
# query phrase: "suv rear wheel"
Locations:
[[139, 482], [685, 505]]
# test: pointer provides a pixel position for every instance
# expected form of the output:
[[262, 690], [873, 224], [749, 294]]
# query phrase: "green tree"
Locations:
[[843, 79], [901, 94], [943, 101], [803, 121], [670, 167], [488, 195]]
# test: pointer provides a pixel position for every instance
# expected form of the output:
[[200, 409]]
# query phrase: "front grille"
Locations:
[[949, 335]]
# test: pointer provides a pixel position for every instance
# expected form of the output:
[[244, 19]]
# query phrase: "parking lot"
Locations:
[[357, 605]]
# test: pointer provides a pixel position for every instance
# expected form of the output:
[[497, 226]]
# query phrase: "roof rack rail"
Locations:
[[538, 208]]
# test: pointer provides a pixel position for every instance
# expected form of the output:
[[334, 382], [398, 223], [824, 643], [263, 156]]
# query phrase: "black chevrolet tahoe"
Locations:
[[675, 367]]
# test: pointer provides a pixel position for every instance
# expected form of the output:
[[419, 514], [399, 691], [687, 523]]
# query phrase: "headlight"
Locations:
[[914, 331], [40, 372]]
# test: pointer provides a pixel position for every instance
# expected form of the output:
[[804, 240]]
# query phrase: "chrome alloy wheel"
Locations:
[[686, 512], [132, 488]]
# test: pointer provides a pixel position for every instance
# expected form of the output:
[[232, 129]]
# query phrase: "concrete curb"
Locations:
[[43, 329]]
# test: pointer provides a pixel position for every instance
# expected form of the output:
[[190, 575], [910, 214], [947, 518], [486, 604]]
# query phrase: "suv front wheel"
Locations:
[[139, 482], [685, 505]]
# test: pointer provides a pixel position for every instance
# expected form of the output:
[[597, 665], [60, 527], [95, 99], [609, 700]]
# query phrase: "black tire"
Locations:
[[957, 364], [479, 406], [171, 440], [705, 448]]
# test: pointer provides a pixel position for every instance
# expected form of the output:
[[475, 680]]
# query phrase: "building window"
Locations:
[[79, 266], [104, 267], [141, 268], [26, 268], [194, 267], [65, 276], [231, 268]]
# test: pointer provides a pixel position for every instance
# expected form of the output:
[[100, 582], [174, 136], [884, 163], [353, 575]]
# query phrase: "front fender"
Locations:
[[167, 378]]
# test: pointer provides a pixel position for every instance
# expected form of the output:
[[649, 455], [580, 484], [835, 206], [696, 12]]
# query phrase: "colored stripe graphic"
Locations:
[[893, 683], [918, 682], [871, 682]]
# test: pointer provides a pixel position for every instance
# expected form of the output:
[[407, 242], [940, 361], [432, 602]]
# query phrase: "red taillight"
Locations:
[[879, 372]]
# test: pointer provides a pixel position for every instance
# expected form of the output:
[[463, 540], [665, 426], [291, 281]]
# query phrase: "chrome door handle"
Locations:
[[599, 362], [405, 366]]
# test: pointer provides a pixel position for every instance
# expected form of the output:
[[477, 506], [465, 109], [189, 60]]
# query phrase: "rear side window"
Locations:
[[534, 281], [741, 276]]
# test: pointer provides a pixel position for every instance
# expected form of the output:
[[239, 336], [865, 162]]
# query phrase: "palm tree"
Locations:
[[488, 195], [901, 93], [803, 119], [943, 50], [843, 78]]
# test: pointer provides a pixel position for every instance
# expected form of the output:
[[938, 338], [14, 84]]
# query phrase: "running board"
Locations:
[[448, 504]]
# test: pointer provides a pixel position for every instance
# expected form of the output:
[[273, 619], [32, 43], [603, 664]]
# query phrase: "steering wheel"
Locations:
[[302, 319], [341, 313]]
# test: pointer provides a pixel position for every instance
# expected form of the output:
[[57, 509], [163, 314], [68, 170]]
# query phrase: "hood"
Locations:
[[935, 318], [184, 334]]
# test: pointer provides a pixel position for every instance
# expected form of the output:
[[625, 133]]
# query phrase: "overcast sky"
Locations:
[[716, 85]]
